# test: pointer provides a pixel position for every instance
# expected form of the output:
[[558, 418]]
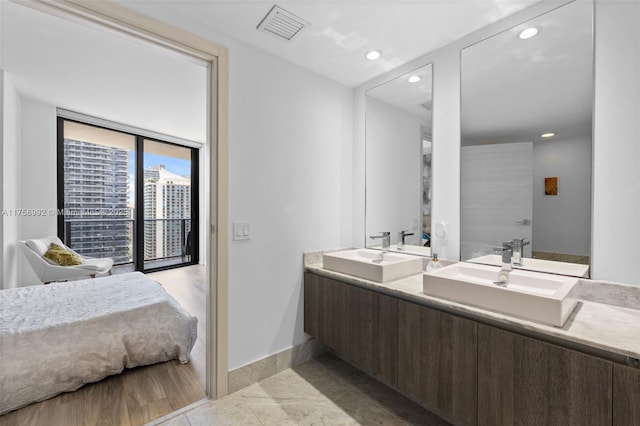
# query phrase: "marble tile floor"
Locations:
[[323, 391]]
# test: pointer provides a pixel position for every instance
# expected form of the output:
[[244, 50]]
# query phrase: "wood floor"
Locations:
[[187, 286], [138, 395]]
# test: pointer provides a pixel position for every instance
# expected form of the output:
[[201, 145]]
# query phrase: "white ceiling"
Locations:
[[101, 73], [408, 96], [97, 72], [341, 31]]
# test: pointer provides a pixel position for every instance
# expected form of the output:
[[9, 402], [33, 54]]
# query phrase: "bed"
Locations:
[[55, 338]]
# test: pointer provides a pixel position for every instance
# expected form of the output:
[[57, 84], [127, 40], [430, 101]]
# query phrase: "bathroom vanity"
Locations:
[[477, 367]]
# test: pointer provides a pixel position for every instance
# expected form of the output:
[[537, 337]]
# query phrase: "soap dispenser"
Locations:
[[434, 263]]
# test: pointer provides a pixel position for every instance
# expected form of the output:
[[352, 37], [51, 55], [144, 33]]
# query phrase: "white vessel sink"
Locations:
[[531, 295], [364, 263]]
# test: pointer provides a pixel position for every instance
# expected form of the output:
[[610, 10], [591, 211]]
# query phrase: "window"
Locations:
[[103, 175]]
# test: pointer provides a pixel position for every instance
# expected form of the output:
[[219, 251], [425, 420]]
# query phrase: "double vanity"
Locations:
[[538, 349]]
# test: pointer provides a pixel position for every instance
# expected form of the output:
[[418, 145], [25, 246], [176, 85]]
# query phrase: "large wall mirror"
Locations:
[[398, 161], [526, 154]]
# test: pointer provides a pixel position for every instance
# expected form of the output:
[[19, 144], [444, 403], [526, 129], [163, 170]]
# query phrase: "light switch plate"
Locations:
[[241, 231]]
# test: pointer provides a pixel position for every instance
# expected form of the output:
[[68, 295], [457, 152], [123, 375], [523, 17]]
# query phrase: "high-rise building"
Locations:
[[97, 218], [167, 213]]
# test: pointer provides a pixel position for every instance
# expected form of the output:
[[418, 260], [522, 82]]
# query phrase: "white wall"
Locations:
[[616, 153], [290, 176], [562, 223], [12, 193], [394, 159], [37, 176], [2, 127]]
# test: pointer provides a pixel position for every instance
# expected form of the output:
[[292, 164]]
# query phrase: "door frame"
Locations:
[[128, 22]]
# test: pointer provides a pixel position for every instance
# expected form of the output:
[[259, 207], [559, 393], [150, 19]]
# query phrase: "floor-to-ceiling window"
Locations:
[[168, 197], [127, 197]]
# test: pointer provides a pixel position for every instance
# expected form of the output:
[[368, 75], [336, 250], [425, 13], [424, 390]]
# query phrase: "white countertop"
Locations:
[[607, 327]]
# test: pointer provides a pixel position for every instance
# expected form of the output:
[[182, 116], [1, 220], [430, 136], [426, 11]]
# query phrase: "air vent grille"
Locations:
[[427, 105], [282, 24]]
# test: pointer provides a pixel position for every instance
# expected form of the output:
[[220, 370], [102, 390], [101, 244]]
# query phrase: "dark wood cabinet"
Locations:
[[468, 372], [324, 310], [437, 361], [371, 332], [626, 393], [524, 381]]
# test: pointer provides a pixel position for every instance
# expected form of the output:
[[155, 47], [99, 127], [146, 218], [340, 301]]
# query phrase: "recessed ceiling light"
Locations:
[[414, 79], [528, 33], [372, 55], [547, 135]]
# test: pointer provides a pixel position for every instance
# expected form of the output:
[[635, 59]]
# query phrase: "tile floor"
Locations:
[[324, 391]]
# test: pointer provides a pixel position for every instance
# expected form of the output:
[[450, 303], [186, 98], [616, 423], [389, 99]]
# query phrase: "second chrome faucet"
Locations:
[[517, 245], [507, 252], [401, 237], [511, 252]]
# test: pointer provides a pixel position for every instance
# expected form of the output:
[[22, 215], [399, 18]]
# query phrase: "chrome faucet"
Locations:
[[518, 250], [386, 240], [507, 252], [401, 236]]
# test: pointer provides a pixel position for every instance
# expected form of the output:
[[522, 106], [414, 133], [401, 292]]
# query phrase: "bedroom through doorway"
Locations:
[[53, 64]]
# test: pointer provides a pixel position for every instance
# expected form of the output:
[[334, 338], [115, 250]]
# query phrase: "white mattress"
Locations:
[[57, 337]]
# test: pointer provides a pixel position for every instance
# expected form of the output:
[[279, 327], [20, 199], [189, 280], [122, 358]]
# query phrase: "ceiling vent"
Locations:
[[282, 24], [427, 105]]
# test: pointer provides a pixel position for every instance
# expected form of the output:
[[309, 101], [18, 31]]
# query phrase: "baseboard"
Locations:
[[261, 369]]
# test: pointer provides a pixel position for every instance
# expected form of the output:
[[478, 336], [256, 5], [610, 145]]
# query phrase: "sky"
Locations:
[[174, 165]]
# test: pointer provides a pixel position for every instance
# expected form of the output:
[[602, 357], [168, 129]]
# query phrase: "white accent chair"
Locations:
[[48, 271]]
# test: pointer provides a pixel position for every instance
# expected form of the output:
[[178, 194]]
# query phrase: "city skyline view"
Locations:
[[95, 177], [101, 178], [178, 166]]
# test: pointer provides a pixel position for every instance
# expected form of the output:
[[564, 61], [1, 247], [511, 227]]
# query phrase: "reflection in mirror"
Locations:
[[398, 161], [515, 182]]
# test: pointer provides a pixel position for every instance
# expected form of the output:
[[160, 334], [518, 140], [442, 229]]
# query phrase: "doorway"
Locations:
[[126, 24], [496, 187]]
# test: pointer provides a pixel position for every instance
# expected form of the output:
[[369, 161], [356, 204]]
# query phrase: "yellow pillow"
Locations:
[[62, 256]]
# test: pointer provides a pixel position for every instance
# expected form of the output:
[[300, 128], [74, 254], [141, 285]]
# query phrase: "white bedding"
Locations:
[[57, 337]]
